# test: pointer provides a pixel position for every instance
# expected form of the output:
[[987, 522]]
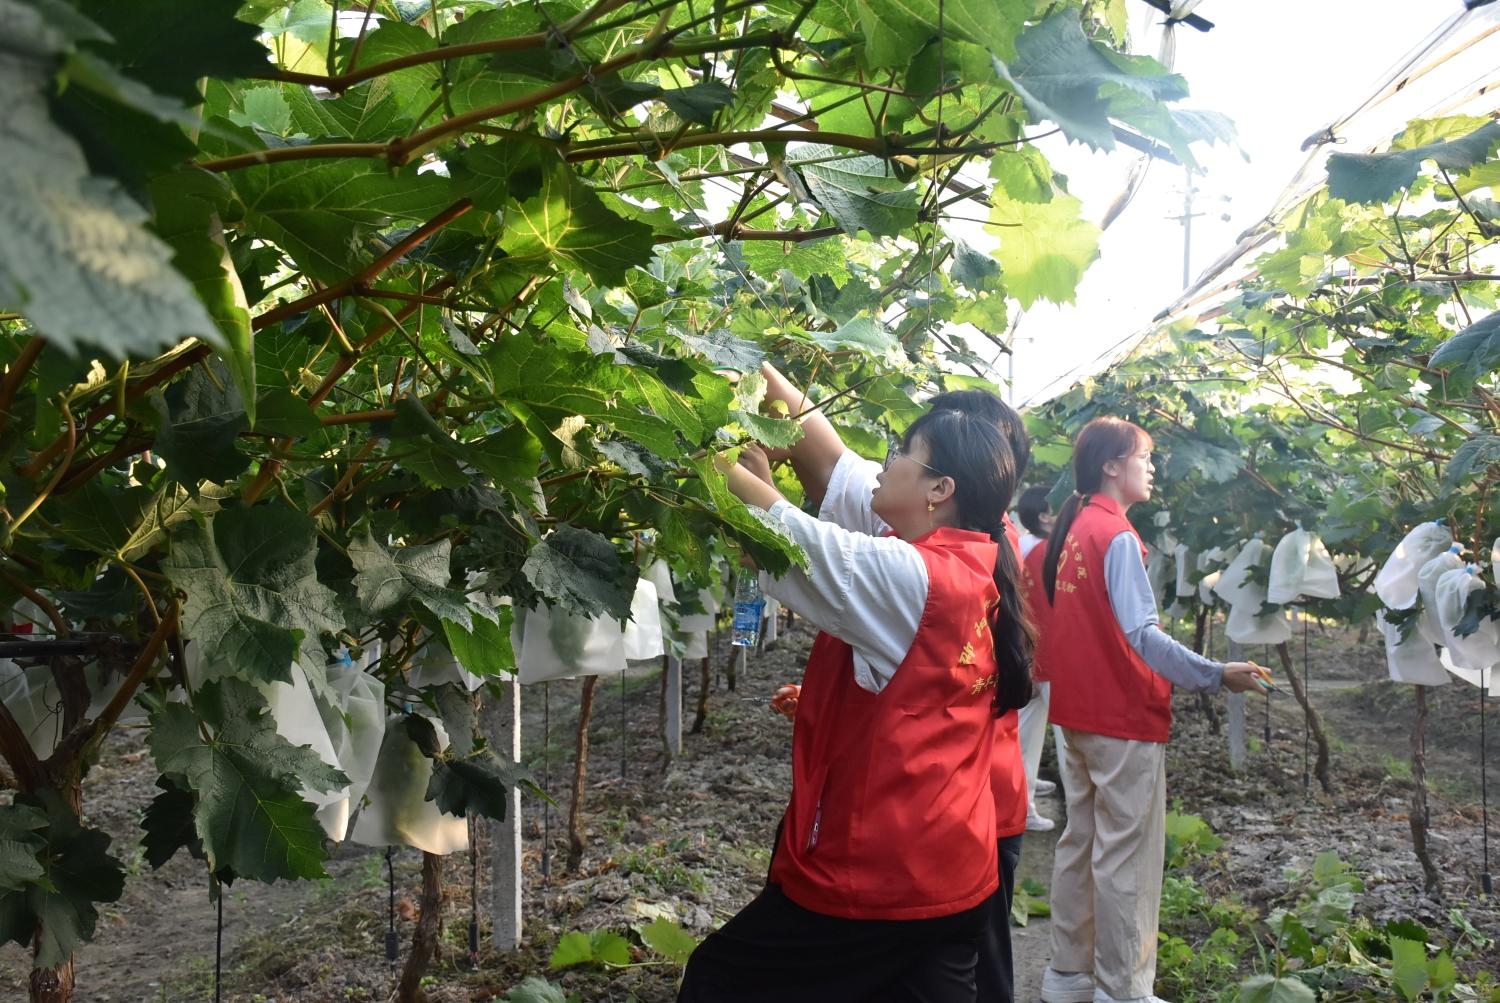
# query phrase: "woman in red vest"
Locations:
[[885, 861], [1112, 670]]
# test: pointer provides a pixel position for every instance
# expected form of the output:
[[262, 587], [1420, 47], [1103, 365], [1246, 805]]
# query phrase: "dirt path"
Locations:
[[692, 840]]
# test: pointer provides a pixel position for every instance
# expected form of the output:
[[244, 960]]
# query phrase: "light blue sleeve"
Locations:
[[1135, 610]]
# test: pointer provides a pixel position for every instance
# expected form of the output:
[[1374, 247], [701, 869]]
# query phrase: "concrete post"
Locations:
[[1236, 709], [501, 720], [673, 723]]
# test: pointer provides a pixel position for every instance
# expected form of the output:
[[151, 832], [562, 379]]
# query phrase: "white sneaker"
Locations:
[[1100, 996], [1067, 987], [1045, 787], [1040, 823]]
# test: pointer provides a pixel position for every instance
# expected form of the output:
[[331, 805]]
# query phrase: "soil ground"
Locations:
[[692, 838]]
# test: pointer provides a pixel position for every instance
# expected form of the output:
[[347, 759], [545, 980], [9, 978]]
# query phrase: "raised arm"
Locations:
[[815, 454]]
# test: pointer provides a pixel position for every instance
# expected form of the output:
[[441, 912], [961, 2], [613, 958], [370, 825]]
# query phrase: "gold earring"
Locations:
[[931, 507]]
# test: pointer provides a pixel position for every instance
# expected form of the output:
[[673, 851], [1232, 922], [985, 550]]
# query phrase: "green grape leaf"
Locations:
[[77, 872], [572, 949], [481, 783], [698, 103], [168, 824], [187, 220], [169, 45], [863, 332], [803, 259], [204, 415], [1375, 177], [483, 648], [253, 595], [99, 516], [896, 30], [1471, 354], [860, 193], [725, 351], [1064, 77], [566, 221], [778, 433], [1470, 460], [1408, 966], [537, 990], [973, 268], [88, 272], [497, 175], [583, 571], [324, 212], [756, 531], [1023, 173], [669, 940], [22, 840], [385, 580], [366, 112], [1044, 247], [245, 778], [1270, 989]]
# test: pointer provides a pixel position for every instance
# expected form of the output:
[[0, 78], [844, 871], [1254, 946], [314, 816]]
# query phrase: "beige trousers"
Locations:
[[1106, 878]]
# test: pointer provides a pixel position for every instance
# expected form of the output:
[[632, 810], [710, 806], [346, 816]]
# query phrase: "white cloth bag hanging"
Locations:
[[695, 645], [691, 622], [1485, 679], [356, 726], [1479, 650], [1301, 567], [1414, 660], [399, 813], [298, 720], [557, 644], [1158, 572], [1396, 582], [1427, 579], [1184, 577], [659, 575], [1212, 562], [1246, 624], [642, 633]]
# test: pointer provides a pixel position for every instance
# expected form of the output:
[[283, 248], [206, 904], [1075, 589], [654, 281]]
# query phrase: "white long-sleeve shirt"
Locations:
[[863, 587], [868, 589]]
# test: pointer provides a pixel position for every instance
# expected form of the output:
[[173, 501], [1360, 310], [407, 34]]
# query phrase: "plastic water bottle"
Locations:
[[749, 606]]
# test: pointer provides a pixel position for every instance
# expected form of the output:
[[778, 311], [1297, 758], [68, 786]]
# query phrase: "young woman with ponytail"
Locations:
[[885, 862], [1112, 670]]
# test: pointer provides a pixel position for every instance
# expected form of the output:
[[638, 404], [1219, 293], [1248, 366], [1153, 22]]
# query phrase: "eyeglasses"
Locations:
[[894, 452]]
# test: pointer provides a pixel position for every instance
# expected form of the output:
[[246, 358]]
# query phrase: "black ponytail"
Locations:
[[1101, 440], [982, 438]]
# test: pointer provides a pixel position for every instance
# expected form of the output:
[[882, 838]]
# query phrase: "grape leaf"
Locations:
[[253, 595], [76, 872], [669, 940], [484, 648], [203, 416], [168, 824], [1044, 247], [481, 783], [1471, 459], [1375, 177], [88, 272], [567, 221], [1471, 354], [245, 778], [537, 990], [1270, 989], [860, 193], [21, 842], [583, 571], [385, 580], [1064, 77]]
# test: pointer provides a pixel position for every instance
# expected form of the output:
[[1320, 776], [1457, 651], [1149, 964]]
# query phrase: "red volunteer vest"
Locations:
[[1099, 684], [1037, 607], [891, 815], [1007, 769]]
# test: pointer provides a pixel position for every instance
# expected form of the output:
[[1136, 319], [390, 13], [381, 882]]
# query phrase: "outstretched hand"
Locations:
[[785, 699], [1245, 677]]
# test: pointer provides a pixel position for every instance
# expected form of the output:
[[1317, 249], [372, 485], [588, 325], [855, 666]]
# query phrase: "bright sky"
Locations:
[[1282, 69]]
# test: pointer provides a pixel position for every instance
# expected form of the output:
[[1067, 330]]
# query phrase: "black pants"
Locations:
[[995, 974], [775, 951]]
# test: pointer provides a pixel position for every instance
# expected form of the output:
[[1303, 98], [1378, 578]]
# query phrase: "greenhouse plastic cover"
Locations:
[[1414, 660], [1396, 582], [554, 643], [1479, 650], [1301, 567]]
